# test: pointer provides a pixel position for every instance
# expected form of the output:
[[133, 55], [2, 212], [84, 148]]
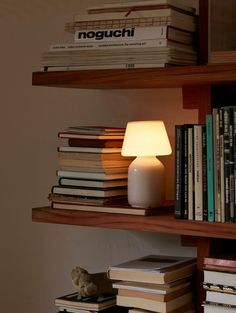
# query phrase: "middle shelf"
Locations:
[[164, 223]]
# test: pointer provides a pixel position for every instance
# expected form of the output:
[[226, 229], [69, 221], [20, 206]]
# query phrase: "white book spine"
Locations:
[[127, 33], [150, 43], [198, 172]]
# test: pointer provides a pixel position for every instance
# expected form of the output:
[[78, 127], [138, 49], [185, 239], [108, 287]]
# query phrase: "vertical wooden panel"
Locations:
[[199, 98]]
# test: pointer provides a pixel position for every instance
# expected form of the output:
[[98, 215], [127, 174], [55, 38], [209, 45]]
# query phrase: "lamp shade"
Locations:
[[146, 138]]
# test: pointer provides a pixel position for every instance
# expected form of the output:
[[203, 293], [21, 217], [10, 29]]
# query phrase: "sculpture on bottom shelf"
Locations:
[[91, 284]]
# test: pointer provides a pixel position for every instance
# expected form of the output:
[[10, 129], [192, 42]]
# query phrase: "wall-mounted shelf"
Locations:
[[165, 223], [139, 78]]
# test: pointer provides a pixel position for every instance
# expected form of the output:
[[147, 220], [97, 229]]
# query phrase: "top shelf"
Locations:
[[138, 78]]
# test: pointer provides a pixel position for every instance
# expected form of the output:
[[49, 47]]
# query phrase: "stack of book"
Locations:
[[142, 34], [92, 169], [205, 164], [73, 303], [220, 284], [154, 283]]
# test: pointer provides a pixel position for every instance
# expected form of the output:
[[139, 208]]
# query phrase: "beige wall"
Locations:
[[36, 259]]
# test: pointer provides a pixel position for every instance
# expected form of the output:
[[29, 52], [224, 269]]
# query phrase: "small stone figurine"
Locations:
[[90, 284]]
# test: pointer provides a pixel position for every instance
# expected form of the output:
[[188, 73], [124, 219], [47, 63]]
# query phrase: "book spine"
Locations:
[[185, 167], [222, 166], [226, 163], [231, 165], [179, 171], [204, 175], [210, 169], [234, 158], [121, 33], [190, 174], [198, 172], [149, 43], [216, 155]]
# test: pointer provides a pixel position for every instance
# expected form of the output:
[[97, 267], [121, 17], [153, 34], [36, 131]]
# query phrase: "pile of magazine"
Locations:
[[143, 34]]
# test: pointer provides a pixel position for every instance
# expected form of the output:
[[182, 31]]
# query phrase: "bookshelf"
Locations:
[[198, 85]]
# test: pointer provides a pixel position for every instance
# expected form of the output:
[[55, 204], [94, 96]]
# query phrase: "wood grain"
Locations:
[[138, 78]]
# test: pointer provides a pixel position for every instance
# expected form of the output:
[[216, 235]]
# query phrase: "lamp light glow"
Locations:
[[146, 177]]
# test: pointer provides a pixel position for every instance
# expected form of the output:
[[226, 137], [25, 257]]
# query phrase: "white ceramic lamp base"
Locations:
[[146, 182]]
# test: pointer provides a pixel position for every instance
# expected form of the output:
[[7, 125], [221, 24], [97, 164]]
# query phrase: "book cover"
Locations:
[[92, 183], [191, 213], [204, 175], [221, 297], [226, 260], [95, 150]]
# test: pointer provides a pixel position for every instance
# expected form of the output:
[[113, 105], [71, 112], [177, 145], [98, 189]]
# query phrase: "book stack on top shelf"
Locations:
[[92, 169], [154, 283], [140, 34], [205, 164], [220, 284]]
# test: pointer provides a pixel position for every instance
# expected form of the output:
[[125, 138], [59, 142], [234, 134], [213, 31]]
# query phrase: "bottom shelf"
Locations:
[[164, 223]]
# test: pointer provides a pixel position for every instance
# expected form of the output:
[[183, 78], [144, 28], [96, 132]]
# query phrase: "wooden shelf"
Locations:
[[157, 223], [139, 78]]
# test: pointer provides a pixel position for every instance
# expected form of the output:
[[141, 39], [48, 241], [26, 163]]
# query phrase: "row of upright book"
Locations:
[[205, 168], [153, 283], [134, 34]]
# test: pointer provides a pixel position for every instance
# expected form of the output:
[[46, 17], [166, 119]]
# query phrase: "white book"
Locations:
[[89, 149], [131, 34], [221, 297], [140, 5], [220, 278], [198, 181], [91, 175], [182, 21], [151, 43], [214, 308]]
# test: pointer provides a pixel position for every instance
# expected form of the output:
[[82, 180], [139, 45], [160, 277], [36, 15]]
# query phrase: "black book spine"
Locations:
[[234, 153], [179, 172], [185, 168], [231, 165]]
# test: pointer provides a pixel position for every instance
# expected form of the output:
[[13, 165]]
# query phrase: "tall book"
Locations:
[[198, 181], [179, 171], [210, 168], [191, 213]]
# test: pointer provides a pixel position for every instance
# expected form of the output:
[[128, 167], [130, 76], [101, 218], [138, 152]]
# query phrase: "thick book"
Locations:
[[92, 176], [220, 278], [117, 207], [198, 179], [157, 289], [179, 171], [221, 297], [90, 192], [130, 34], [97, 130], [224, 260], [116, 308], [154, 305], [210, 307], [153, 269], [181, 290], [92, 183], [90, 150], [167, 16], [210, 169], [140, 5], [84, 156], [91, 165], [188, 308], [73, 134], [73, 300], [95, 143]]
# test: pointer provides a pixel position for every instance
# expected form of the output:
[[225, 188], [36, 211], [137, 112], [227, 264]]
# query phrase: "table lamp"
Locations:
[[146, 174]]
